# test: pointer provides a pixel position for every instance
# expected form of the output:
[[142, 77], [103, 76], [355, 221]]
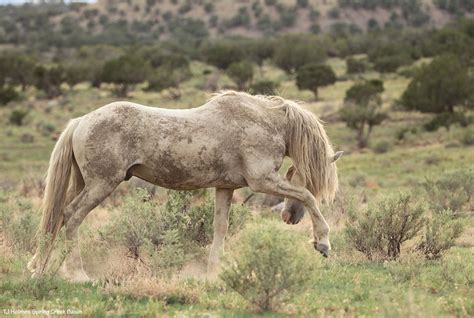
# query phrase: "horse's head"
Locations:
[[293, 211]]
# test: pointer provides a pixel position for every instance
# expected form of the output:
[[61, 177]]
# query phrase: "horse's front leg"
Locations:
[[276, 185], [221, 224]]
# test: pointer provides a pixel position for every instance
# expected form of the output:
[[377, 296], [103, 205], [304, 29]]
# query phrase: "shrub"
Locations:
[[137, 223], [264, 87], [49, 79], [382, 146], [162, 235], [293, 51], [17, 116], [390, 64], [194, 223], [222, 54], [468, 136], [402, 132], [167, 77], [451, 191], [446, 119], [334, 13], [266, 268], [209, 7], [440, 234], [241, 73], [7, 94], [124, 72], [380, 230], [170, 256], [19, 222], [355, 66]]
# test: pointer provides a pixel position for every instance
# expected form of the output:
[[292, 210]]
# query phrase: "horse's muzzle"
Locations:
[[290, 218]]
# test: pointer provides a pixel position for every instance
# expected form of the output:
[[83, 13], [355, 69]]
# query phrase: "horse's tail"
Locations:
[[57, 184], [311, 152]]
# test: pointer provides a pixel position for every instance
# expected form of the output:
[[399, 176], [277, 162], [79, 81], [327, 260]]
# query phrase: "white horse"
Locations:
[[234, 140]]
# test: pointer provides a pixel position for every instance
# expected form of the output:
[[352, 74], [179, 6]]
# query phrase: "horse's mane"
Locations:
[[308, 143]]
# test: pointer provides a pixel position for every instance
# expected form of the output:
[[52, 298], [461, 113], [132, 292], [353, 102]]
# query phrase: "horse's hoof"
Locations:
[[323, 249]]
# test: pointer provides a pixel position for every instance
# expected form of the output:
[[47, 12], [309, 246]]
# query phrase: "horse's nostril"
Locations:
[[286, 216]]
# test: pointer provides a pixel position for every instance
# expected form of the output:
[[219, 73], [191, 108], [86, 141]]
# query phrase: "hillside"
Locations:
[[149, 20]]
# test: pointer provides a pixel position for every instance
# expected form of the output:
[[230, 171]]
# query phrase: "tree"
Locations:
[[263, 87], [355, 66], [293, 51], [361, 110], [49, 79], [222, 54], [439, 86], [311, 76], [77, 73], [241, 73], [171, 69], [124, 72], [17, 69], [388, 58], [260, 50], [7, 94], [166, 77]]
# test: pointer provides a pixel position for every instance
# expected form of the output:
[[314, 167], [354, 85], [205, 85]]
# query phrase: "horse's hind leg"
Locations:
[[221, 224], [90, 197], [276, 185]]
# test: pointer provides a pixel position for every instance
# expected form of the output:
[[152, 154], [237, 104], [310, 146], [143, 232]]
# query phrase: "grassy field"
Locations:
[[344, 285]]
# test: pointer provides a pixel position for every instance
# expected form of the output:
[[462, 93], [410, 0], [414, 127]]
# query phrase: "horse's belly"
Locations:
[[186, 179]]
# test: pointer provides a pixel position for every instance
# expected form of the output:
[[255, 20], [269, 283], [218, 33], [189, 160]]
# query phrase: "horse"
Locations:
[[234, 140]]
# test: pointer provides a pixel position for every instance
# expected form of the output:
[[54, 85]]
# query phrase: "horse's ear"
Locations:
[[337, 156], [290, 172]]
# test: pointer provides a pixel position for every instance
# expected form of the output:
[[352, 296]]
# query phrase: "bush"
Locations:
[[440, 234], [355, 66], [222, 54], [194, 222], [49, 79], [266, 268], [468, 136], [19, 222], [264, 87], [446, 119], [167, 77], [163, 234], [170, 256], [382, 146], [451, 191], [402, 132], [137, 223], [293, 51], [17, 116], [241, 73], [124, 72], [7, 94], [390, 64], [380, 230]]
